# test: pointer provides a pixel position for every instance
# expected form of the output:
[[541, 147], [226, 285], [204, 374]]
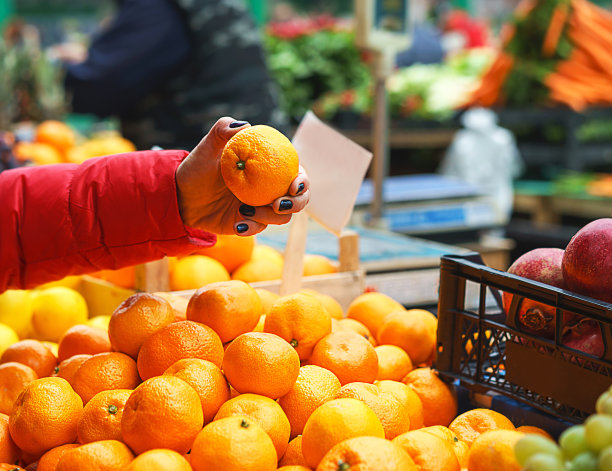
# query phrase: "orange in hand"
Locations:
[[258, 165]]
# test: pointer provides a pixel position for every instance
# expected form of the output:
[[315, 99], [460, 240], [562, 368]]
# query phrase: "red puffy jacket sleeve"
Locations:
[[108, 212]]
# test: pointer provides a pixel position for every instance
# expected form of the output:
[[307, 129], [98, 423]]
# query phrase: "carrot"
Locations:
[[584, 39], [555, 28]]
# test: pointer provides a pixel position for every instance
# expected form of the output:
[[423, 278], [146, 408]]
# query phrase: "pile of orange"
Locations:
[[218, 389], [56, 142]]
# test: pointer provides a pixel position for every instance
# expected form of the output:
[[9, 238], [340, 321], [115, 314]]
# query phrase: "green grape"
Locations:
[[531, 444], [586, 461], [598, 431], [572, 441], [605, 459], [604, 404], [544, 462]]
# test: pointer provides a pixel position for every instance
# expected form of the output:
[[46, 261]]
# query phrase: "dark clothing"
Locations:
[[426, 47], [170, 68]]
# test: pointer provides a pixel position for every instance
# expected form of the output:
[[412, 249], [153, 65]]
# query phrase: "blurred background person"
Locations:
[[169, 68]]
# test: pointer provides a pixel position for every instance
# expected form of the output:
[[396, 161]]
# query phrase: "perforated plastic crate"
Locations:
[[485, 349]]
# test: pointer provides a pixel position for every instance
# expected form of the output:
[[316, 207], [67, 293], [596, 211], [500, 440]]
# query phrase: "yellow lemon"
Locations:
[[16, 310], [195, 271], [55, 310], [266, 252], [101, 321], [7, 337]]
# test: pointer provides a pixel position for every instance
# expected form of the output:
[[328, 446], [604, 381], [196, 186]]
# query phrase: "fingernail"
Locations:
[[237, 124], [240, 228], [246, 210], [300, 188], [285, 205]]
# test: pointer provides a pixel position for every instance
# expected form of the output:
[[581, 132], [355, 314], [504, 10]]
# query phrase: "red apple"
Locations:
[[587, 262], [543, 265]]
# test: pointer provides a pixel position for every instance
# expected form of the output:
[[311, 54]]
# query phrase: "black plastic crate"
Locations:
[[541, 372]]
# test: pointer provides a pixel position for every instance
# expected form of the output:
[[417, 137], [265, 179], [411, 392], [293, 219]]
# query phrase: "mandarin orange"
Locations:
[[33, 353], [428, 451], [371, 309], [438, 399], [80, 339], [406, 396], [101, 417], [178, 340], [67, 368], [263, 411], [470, 424], [356, 326], [293, 454], [230, 308], [494, 449], [9, 452], [230, 250], [414, 330], [258, 165], [162, 412], [48, 461], [261, 363], [393, 362], [348, 355], [110, 455], [13, 378], [159, 460]]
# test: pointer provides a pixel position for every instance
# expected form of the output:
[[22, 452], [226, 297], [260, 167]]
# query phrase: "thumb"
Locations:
[[224, 129]]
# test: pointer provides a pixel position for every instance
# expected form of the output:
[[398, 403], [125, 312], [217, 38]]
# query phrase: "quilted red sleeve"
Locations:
[[108, 212]]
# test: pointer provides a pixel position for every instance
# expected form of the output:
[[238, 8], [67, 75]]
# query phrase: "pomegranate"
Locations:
[[543, 265], [585, 336], [587, 261]]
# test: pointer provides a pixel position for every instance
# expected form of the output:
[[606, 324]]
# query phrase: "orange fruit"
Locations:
[[301, 320], [371, 309], [459, 446], [348, 355], [33, 353], [258, 270], [162, 412], [56, 134], [82, 339], [9, 453], [393, 415], [335, 421], [367, 454], [159, 460], [534, 429], [313, 387], [67, 368], [356, 326], [293, 454], [109, 455], [261, 363], [315, 264], [393, 362], [267, 298], [178, 304], [195, 271], [494, 449], [135, 319], [38, 152], [208, 381], [48, 461], [413, 330], [294, 467], [428, 451], [258, 165], [10, 467], [124, 277], [233, 444], [105, 371], [439, 401], [263, 411], [230, 308], [183, 339], [45, 415], [230, 250], [405, 395], [329, 302], [267, 252], [101, 417], [13, 378], [468, 425]]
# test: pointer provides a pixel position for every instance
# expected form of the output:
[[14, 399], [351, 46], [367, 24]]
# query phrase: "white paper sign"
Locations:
[[336, 167]]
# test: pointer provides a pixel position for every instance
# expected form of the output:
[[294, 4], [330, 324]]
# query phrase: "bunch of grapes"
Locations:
[[584, 447]]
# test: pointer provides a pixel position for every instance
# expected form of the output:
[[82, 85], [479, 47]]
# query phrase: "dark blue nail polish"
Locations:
[[300, 188], [246, 210], [237, 124], [240, 228], [285, 205]]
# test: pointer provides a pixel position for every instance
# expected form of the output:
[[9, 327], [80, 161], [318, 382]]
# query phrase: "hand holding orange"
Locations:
[[239, 179]]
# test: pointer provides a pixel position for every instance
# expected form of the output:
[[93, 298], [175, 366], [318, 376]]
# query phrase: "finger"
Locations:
[[291, 204], [248, 227], [300, 184], [263, 214], [225, 128]]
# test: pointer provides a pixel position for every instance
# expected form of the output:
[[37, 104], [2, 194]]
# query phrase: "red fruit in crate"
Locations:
[[586, 337], [542, 265], [587, 262]]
